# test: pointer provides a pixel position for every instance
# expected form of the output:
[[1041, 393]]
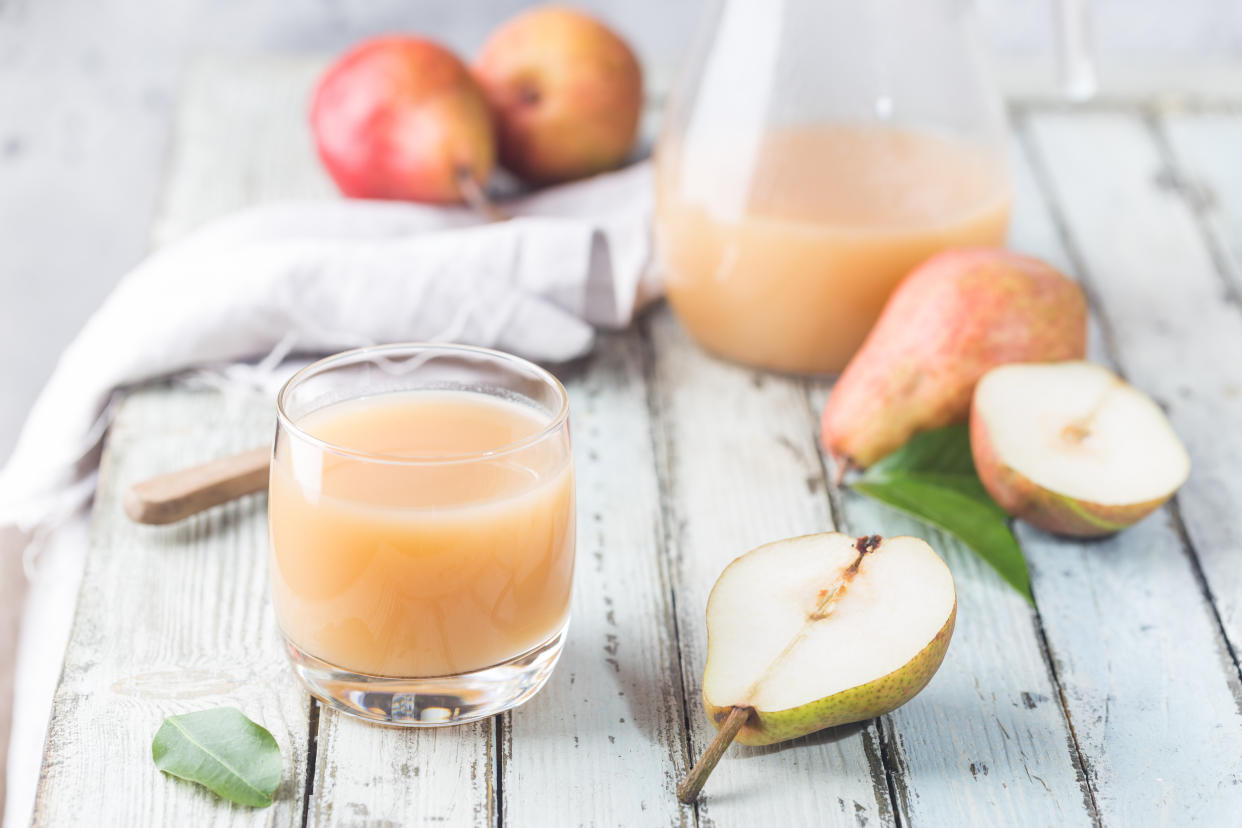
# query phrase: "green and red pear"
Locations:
[[403, 118], [566, 91], [951, 320]]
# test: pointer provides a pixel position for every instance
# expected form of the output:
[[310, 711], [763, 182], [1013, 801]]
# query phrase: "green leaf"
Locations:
[[223, 751], [940, 451], [933, 479]]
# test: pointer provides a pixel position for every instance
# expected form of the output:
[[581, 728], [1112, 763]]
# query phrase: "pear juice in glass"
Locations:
[[422, 530]]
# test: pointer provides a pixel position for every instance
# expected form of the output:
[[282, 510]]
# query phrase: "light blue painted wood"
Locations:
[[1149, 685], [607, 732], [1207, 154], [170, 620], [370, 775]]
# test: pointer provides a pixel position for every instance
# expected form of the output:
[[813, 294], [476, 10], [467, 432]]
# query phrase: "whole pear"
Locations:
[[567, 93], [952, 319], [403, 118]]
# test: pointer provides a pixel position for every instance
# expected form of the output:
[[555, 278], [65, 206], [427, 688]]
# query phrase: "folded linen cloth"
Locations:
[[312, 278], [328, 275]]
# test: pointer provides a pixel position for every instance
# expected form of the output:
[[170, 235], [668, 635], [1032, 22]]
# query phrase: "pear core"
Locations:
[[800, 620]]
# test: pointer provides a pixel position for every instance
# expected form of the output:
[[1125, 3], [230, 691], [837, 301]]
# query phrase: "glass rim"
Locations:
[[285, 422]]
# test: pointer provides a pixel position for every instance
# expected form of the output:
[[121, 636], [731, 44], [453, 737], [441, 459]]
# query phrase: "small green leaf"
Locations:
[[223, 751], [933, 478]]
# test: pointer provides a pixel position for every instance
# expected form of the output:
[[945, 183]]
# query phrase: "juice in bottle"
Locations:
[[790, 271]]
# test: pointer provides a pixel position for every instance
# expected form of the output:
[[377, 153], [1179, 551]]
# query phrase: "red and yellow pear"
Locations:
[[951, 320], [403, 118], [566, 91]]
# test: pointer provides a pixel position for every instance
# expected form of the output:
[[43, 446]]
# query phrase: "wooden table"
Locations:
[[1116, 702]]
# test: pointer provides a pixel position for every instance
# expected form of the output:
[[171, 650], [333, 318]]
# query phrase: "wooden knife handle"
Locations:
[[177, 495]]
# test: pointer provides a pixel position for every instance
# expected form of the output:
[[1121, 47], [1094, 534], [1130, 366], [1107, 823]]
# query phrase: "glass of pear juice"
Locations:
[[421, 513]]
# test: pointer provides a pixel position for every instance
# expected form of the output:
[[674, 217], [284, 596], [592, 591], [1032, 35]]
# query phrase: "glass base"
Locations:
[[429, 702]]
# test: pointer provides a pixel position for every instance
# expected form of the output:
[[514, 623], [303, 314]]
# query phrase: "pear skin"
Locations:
[[953, 318], [857, 704]]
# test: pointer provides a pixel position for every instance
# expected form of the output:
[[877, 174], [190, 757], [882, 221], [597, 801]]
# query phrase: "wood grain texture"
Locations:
[[608, 728], [373, 775], [170, 620], [1150, 685], [738, 469], [1205, 157]]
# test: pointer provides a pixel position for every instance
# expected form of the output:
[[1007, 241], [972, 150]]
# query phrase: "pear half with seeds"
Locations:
[[819, 631]]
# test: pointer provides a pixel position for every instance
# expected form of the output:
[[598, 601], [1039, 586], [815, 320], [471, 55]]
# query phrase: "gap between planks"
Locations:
[[502, 733], [312, 752], [654, 416]]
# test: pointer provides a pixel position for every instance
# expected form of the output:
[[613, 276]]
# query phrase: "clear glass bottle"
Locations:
[[813, 152]]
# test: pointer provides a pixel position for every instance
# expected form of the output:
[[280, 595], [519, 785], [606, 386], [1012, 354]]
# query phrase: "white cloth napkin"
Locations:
[[313, 278]]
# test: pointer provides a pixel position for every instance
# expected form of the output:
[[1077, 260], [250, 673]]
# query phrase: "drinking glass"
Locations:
[[422, 530]]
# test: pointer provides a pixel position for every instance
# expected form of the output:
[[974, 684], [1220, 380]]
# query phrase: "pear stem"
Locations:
[[476, 196], [689, 789], [841, 466]]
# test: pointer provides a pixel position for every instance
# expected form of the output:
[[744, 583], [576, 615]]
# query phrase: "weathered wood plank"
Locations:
[[986, 742], [170, 620], [1207, 171], [1148, 681], [367, 774], [242, 138], [739, 469], [608, 729]]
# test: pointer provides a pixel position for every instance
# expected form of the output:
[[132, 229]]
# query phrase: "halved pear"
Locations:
[[818, 631], [824, 630], [1072, 448]]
